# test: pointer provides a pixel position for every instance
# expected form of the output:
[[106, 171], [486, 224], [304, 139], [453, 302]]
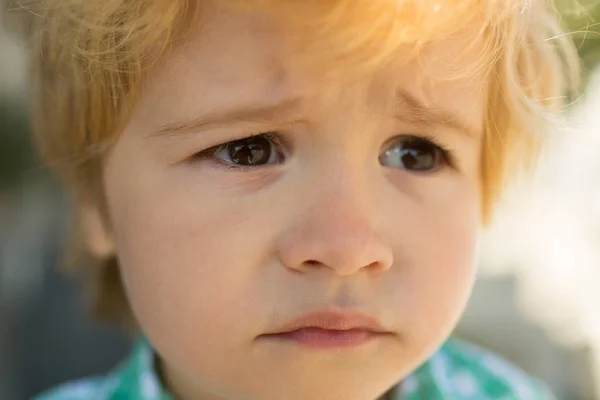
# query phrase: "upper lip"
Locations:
[[334, 320]]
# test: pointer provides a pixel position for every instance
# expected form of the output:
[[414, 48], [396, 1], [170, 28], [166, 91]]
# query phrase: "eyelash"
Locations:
[[448, 156], [273, 137]]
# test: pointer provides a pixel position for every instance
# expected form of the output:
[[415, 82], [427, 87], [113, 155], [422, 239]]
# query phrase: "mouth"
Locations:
[[330, 330]]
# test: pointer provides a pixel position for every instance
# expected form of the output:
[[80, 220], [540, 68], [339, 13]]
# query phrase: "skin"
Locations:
[[214, 257]]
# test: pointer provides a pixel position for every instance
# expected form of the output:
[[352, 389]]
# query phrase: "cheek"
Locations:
[[184, 254], [436, 263]]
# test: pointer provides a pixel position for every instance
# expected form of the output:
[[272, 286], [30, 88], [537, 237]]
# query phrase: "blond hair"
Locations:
[[89, 60]]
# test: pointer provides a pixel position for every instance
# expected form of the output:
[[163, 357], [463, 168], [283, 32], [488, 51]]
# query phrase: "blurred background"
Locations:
[[537, 301]]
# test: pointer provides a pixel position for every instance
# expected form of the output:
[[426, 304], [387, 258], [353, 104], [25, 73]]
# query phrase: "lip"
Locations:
[[330, 329]]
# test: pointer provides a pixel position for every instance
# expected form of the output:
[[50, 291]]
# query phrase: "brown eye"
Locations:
[[248, 152], [414, 154]]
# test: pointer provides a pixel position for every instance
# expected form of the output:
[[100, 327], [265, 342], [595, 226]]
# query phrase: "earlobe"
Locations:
[[97, 235]]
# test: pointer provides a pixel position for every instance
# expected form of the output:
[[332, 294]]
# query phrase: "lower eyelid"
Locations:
[[208, 156]]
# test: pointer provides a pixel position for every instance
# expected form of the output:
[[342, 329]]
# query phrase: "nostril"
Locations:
[[376, 265]]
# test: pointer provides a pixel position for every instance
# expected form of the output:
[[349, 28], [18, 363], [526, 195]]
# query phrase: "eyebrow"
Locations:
[[218, 119], [410, 110], [413, 110]]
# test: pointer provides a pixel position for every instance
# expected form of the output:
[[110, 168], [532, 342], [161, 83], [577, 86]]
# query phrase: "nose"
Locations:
[[336, 232]]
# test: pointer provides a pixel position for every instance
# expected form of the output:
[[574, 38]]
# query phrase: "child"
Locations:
[[285, 197]]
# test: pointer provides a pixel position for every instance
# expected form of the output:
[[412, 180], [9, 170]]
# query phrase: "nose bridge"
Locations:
[[345, 195], [335, 228], [340, 191]]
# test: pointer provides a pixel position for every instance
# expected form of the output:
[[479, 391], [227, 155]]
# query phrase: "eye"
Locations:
[[415, 153], [253, 151]]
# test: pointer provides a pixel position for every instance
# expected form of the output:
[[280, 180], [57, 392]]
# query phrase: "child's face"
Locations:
[[346, 206]]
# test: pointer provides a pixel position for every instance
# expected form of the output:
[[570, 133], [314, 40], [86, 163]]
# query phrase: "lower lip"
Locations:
[[317, 338]]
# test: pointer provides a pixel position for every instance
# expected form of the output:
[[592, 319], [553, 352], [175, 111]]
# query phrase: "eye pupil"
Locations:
[[250, 151], [418, 158], [413, 154]]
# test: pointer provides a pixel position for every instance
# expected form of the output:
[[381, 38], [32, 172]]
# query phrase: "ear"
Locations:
[[96, 233]]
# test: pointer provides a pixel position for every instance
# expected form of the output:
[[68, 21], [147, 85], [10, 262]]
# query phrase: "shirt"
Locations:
[[457, 371]]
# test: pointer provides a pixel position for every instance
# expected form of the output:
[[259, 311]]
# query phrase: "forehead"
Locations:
[[246, 56]]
